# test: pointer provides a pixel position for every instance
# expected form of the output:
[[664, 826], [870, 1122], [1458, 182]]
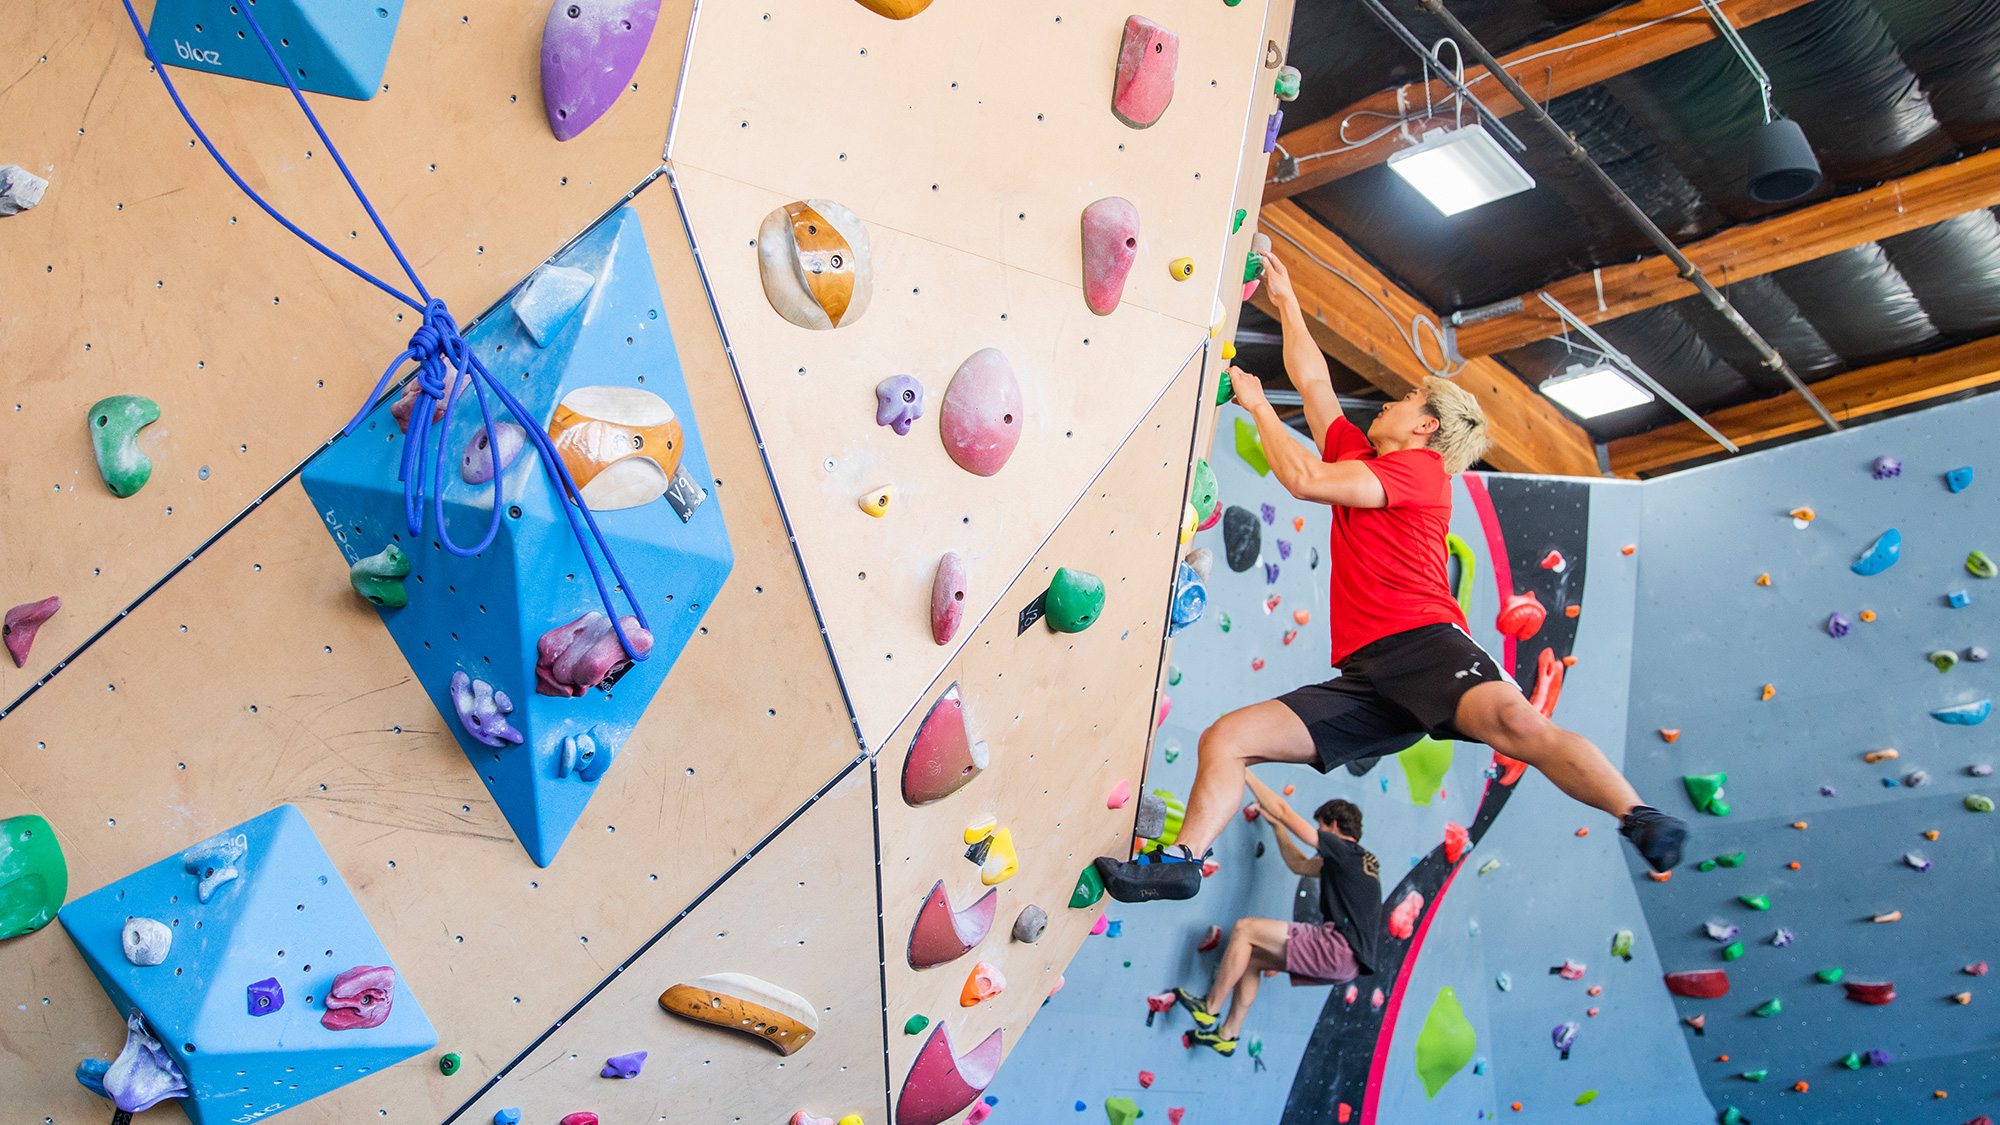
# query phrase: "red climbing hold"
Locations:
[[942, 935], [1175, 1113], [1510, 769], [1210, 940], [1553, 561], [1346, 1113], [1456, 840], [943, 758], [1548, 682], [1146, 1079], [1870, 993], [1521, 616], [1250, 811], [942, 1082], [1209, 867], [1699, 984], [1403, 919], [1257, 665]]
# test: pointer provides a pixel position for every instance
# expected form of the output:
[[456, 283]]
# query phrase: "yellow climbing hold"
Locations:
[[1228, 351], [1180, 269], [876, 503], [1190, 520], [1001, 860], [980, 829]]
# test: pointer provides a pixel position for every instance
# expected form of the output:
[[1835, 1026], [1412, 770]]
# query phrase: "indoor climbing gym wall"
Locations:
[[351, 770], [1811, 627]]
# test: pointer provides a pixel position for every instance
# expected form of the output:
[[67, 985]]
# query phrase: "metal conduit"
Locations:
[[1689, 272]]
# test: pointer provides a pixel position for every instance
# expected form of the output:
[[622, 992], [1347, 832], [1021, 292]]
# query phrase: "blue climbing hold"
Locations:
[[1190, 597], [507, 1117], [1079, 1107], [1965, 714], [551, 296], [338, 49], [1958, 480], [1114, 928], [1881, 554], [1959, 599]]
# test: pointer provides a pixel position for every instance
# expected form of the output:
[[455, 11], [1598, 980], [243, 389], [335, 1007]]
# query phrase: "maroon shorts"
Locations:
[[1317, 954]]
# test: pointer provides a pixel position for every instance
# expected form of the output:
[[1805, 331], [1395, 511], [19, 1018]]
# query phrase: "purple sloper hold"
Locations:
[[1719, 932], [590, 50], [482, 711], [1837, 626], [1886, 466], [142, 1076], [1564, 1037], [1878, 1058], [1269, 513], [1783, 937], [899, 401], [1916, 861], [475, 465], [623, 1066], [1284, 549], [571, 659], [1270, 574], [1827, 791]]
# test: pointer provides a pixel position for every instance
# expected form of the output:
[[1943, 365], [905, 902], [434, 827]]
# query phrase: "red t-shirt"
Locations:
[[1386, 566]]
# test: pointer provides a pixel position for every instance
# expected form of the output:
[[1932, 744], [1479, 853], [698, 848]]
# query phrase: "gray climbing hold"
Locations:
[[1152, 816], [1719, 932], [1504, 982], [213, 861], [549, 299], [20, 189], [1980, 770], [1029, 926], [1202, 560], [1915, 778], [1242, 538], [1976, 654], [146, 941], [1916, 861], [1828, 791]]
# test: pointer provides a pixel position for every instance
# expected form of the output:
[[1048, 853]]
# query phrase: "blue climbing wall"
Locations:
[[1710, 639], [287, 916], [1554, 896], [335, 47]]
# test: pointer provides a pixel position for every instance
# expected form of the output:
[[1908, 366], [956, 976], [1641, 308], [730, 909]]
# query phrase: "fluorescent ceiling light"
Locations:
[[1590, 391], [1459, 169]]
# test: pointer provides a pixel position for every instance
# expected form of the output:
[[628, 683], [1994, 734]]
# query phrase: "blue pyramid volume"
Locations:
[[284, 918], [338, 47], [540, 737]]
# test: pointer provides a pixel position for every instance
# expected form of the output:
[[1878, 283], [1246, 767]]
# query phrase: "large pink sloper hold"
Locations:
[[943, 758], [980, 419], [1110, 243], [942, 935], [590, 51], [1146, 64], [941, 1083], [947, 598]]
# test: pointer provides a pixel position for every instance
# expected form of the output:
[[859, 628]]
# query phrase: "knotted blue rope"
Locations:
[[439, 351]]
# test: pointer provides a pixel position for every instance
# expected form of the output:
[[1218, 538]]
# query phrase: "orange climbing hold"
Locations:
[[1291, 789], [1874, 756], [1799, 824], [1659, 876], [1867, 615], [1962, 997], [1800, 1087], [1583, 831], [1517, 1105], [1764, 579], [1572, 611], [1931, 835], [984, 983], [1770, 690], [1569, 661], [1298, 523], [1892, 916], [1668, 734], [1301, 616], [1625, 550], [1794, 865], [1805, 515], [1594, 990]]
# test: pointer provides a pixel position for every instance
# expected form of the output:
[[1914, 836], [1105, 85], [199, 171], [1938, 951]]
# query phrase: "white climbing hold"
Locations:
[[549, 299], [146, 941], [20, 189]]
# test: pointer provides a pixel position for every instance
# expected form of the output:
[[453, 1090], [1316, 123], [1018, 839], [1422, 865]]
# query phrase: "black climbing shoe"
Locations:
[[1360, 766], [1657, 836], [1170, 873], [1210, 1039], [1196, 1007]]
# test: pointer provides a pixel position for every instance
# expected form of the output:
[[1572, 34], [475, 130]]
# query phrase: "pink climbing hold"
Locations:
[[1146, 63], [980, 419], [1553, 561], [804, 1118], [1257, 665], [1121, 795], [942, 935], [359, 998], [943, 758], [1403, 919], [980, 1112], [1166, 708], [1213, 938], [941, 1082], [583, 1117], [1353, 991], [571, 659], [1175, 1113], [1146, 1079], [1103, 924], [590, 51], [1110, 243], [1699, 984], [948, 598], [22, 623], [1377, 1000], [1569, 970], [1456, 841], [1976, 969]]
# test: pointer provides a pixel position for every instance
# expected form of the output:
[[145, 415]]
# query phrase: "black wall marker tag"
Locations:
[[1033, 611]]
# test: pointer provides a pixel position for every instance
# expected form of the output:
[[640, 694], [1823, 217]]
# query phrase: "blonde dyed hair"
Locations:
[[1461, 437]]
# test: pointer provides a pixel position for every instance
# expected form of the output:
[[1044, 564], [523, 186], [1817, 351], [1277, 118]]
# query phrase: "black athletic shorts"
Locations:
[[1392, 692]]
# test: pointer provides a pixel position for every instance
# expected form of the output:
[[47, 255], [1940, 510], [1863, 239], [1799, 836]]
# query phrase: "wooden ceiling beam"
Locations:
[[1606, 47], [1855, 394], [1530, 434], [1750, 250]]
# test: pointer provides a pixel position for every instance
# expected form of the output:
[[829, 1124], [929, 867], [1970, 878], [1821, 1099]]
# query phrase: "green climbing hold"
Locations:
[[34, 880], [915, 1024], [1445, 1044], [1255, 1046], [1981, 566], [1287, 85], [115, 423], [1705, 865], [379, 577], [1173, 675], [448, 1065], [1222, 619], [1769, 1007], [1089, 888], [1732, 951], [1586, 1097], [1205, 494], [1467, 564], [1754, 902], [1489, 866], [1425, 763], [1977, 803], [1852, 1061], [1943, 659], [1732, 1116], [1074, 600], [1226, 389], [1122, 1111], [1621, 944], [1830, 976], [1241, 214], [1173, 754], [1755, 1075], [1253, 267], [1250, 447], [1731, 860], [1705, 790]]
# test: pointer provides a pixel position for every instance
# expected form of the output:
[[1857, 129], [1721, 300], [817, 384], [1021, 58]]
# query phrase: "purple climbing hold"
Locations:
[[475, 465], [623, 1066], [265, 996], [1783, 937], [143, 1075], [1878, 1058], [1271, 128], [1980, 770], [1719, 932], [1270, 574], [590, 51], [1284, 549], [899, 401], [1827, 791], [1564, 1037], [1837, 626], [1269, 513], [1886, 467], [483, 711], [1916, 861]]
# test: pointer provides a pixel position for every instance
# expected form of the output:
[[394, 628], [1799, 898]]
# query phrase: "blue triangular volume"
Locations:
[[286, 916], [483, 616], [337, 47]]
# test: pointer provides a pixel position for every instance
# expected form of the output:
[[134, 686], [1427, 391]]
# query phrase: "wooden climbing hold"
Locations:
[[1668, 734], [743, 1003], [1892, 916]]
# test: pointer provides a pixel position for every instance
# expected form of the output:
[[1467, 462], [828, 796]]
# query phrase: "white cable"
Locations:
[[1409, 334]]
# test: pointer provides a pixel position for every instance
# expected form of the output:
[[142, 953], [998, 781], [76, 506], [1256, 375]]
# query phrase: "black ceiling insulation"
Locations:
[[1882, 88]]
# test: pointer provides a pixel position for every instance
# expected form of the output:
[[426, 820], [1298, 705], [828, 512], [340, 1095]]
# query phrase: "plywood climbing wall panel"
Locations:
[[257, 677], [1066, 717], [799, 914], [145, 271], [972, 181]]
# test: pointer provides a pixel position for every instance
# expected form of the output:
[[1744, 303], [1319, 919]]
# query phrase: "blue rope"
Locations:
[[438, 349]]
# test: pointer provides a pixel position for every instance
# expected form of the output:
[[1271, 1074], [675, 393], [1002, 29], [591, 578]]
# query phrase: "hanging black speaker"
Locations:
[[1782, 165]]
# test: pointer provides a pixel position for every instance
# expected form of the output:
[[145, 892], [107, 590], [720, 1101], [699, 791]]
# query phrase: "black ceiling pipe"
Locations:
[[1782, 164]]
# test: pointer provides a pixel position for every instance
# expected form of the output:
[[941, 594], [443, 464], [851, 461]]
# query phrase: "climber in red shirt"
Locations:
[[1408, 667]]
